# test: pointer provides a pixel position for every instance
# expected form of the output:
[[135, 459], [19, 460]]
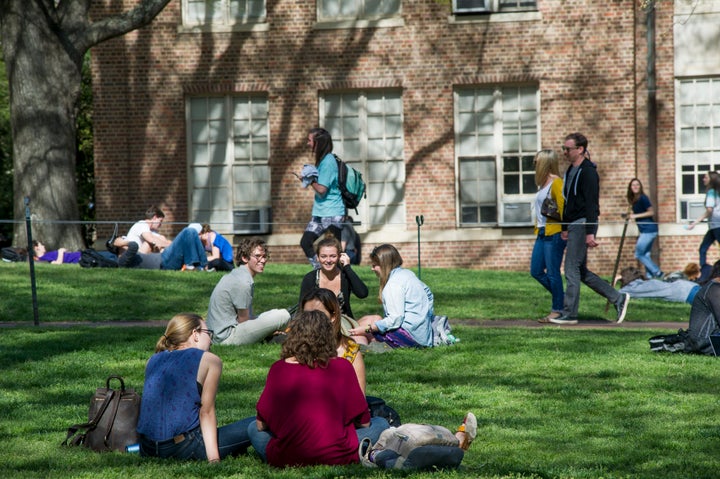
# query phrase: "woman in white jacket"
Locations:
[[407, 304]]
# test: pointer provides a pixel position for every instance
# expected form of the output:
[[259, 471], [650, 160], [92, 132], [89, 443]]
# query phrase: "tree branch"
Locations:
[[117, 25]]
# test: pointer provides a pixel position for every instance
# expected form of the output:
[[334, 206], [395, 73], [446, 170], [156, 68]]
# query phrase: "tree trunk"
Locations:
[[44, 75], [43, 44]]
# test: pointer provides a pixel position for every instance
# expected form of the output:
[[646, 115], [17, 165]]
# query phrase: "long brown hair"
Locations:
[[310, 339], [178, 330], [322, 142], [330, 302], [388, 258], [632, 197]]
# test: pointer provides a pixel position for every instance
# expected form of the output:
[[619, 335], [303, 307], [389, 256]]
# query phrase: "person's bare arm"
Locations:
[[156, 240], [61, 255], [243, 315]]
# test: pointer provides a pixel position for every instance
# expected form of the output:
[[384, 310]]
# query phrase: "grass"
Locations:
[[70, 293], [551, 402]]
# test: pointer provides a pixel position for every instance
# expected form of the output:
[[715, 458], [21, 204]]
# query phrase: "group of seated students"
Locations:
[[313, 409], [196, 247]]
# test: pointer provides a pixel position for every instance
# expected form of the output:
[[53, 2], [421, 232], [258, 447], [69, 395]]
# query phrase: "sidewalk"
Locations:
[[500, 323]]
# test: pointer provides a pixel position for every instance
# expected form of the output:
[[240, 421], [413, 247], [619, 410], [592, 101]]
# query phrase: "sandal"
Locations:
[[552, 315], [468, 429]]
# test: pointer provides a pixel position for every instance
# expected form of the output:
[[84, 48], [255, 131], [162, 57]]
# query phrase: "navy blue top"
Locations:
[[171, 397], [645, 225]]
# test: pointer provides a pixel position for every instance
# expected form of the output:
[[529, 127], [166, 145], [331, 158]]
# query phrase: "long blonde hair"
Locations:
[[178, 330], [388, 258], [546, 163]]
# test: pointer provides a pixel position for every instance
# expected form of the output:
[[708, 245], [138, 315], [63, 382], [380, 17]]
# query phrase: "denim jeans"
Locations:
[[547, 255], [642, 253], [260, 439], [576, 271], [186, 248], [710, 237], [232, 440]]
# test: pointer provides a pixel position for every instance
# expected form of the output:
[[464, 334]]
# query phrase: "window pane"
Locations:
[[232, 181], [698, 131], [512, 138], [511, 184], [367, 129]]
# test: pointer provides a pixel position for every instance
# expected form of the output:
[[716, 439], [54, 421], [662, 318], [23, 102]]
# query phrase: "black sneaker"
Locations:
[[110, 244], [126, 260], [621, 306]]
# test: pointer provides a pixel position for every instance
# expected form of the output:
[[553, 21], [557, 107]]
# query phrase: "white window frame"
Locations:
[[242, 146], [511, 209], [697, 138], [360, 13], [227, 22], [474, 7], [392, 177]]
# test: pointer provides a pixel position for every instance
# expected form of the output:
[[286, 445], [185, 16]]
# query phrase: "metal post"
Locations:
[[419, 220], [31, 259]]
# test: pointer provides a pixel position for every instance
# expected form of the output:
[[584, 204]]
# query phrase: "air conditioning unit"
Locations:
[[255, 221], [517, 214], [471, 6]]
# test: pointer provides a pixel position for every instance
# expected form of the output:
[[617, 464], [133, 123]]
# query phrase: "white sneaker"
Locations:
[[621, 306], [564, 319]]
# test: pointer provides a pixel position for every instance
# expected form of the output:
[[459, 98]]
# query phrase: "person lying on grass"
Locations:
[[59, 256], [633, 282]]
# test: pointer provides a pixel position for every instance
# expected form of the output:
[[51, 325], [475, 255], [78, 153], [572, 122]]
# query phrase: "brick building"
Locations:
[[440, 103]]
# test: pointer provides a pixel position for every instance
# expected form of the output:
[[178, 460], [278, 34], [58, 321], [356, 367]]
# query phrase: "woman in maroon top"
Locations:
[[312, 410]]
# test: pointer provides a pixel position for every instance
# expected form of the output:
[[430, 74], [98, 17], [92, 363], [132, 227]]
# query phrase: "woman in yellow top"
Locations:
[[549, 246]]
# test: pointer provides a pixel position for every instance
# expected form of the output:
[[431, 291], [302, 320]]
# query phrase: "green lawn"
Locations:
[[551, 402], [71, 293]]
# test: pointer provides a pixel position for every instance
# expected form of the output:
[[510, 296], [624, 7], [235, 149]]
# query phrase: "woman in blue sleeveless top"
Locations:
[[177, 413]]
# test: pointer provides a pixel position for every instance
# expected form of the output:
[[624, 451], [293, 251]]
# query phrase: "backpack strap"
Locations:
[[76, 433]]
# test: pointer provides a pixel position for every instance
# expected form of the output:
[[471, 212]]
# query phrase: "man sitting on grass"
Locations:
[[185, 252], [230, 313]]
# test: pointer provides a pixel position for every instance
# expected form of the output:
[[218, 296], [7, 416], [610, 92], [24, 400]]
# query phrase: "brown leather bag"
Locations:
[[112, 420]]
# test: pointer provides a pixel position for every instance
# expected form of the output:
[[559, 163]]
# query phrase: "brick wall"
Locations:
[[588, 59]]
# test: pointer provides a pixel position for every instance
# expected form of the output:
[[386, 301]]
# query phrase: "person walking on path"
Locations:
[[549, 246], [581, 189], [711, 180], [643, 214], [328, 211]]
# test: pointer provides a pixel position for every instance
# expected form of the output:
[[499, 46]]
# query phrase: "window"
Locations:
[[357, 9], [367, 132], [229, 173], [497, 135], [698, 140], [222, 12], [489, 6]]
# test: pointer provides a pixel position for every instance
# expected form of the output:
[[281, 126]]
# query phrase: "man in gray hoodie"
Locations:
[[581, 189]]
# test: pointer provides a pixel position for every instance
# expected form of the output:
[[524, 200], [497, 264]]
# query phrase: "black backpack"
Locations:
[[351, 184], [14, 255], [90, 258]]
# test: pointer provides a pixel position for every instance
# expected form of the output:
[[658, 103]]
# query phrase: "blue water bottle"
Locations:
[[133, 448]]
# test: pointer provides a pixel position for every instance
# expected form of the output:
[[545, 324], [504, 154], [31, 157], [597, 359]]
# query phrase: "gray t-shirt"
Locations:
[[234, 291]]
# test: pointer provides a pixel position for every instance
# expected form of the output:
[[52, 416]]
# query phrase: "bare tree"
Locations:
[[43, 43]]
